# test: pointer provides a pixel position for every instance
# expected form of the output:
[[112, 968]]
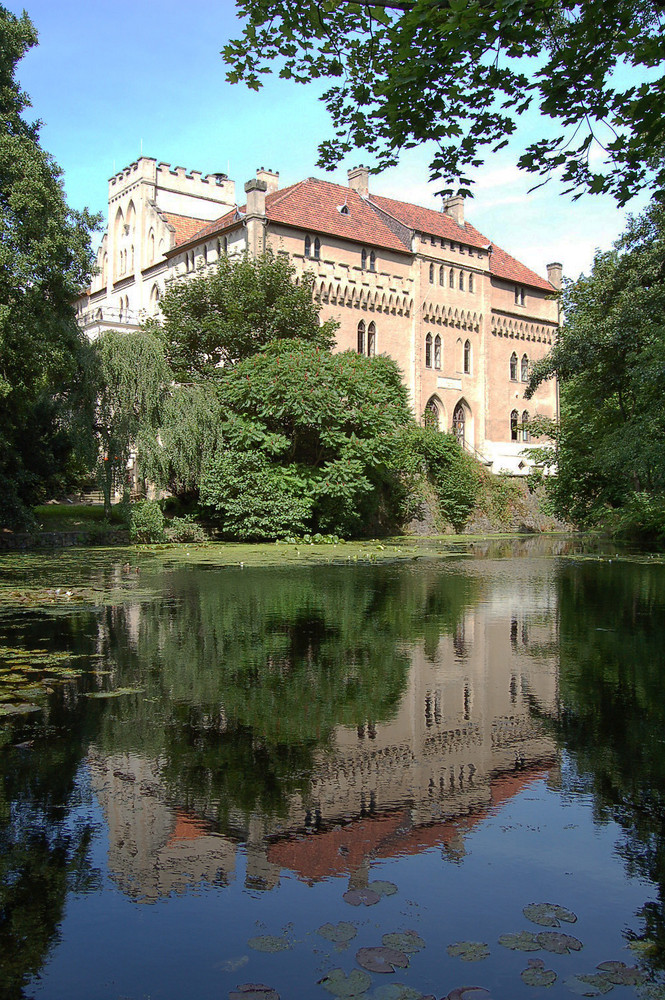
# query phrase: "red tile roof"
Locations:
[[185, 228], [313, 205], [502, 265], [427, 220]]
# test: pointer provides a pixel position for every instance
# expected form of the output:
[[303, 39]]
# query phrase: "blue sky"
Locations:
[[111, 79]]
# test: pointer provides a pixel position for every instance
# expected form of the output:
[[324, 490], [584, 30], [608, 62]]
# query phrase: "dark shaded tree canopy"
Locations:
[[45, 260], [462, 72]]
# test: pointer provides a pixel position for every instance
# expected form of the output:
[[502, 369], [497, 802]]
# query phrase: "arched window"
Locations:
[[524, 368], [467, 357], [525, 425], [317, 249], [459, 424], [363, 259], [105, 268], [205, 253], [308, 247], [154, 299], [431, 416], [372, 261], [437, 352], [151, 246], [361, 337], [514, 419], [461, 281], [470, 282], [226, 243], [428, 351], [451, 279], [131, 258], [513, 367], [218, 248], [442, 275], [431, 274], [371, 340]]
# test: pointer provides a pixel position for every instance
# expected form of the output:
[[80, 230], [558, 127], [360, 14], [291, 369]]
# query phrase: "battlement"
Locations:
[[175, 189]]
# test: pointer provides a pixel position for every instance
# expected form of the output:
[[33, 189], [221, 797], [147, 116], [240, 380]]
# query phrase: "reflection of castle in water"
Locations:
[[466, 737]]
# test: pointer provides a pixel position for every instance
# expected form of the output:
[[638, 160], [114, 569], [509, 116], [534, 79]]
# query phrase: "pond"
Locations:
[[388, 772]]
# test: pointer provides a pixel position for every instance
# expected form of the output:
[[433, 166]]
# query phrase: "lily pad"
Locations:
[[383, 888], [20, 709], [254, 991], [548, 914], [537, 975], [118, 693], [269, 943], [620, 974], [409, 942], [592, 985], [522, 941], [361, 897], [469, 951], [340, 985], [381, 959], [339, 934], [469, 993], [396, 991], [557, 942]]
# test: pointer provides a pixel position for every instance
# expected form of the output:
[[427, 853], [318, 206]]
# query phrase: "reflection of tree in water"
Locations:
[[43, 853], [612, 714], [247, 673]]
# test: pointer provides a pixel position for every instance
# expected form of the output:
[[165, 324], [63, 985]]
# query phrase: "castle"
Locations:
[[462, 318]]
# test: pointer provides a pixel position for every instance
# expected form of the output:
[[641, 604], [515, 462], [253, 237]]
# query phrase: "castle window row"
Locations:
[[367, 339], [452, 246], [523, 368], [465, 279], [519, 431], [436, 355]]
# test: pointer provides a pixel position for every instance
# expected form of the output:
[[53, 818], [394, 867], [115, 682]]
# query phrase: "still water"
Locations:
[[248, 775]]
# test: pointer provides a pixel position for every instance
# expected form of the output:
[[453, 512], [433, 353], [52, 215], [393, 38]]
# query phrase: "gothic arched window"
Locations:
[[428, 351], [513, 367], [437, 352], [361, 337]]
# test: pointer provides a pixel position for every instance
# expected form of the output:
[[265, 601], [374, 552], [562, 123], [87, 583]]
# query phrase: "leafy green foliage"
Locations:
[[460, 74], [185, 529], [609, 358], [146, 522], [226, 316], [130, 376], [427, 454], [253, 499], [312, 439], [45, 260]]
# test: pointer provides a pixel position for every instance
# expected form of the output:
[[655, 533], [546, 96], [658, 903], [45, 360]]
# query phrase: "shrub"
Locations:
[[146, 522], [255, 500], [185, 529]]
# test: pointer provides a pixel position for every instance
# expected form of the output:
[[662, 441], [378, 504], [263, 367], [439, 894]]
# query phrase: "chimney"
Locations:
[[454, 207], [555, 275], [271, 177], [359, 180], [256, 197]]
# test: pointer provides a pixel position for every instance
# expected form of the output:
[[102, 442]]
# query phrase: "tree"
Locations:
[[45, 260], [309, 443], [131, 377], [610, 359], [225, 316], [462, 72]]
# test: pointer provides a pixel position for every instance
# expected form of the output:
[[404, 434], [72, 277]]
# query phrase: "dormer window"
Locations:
[[343, 209]]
